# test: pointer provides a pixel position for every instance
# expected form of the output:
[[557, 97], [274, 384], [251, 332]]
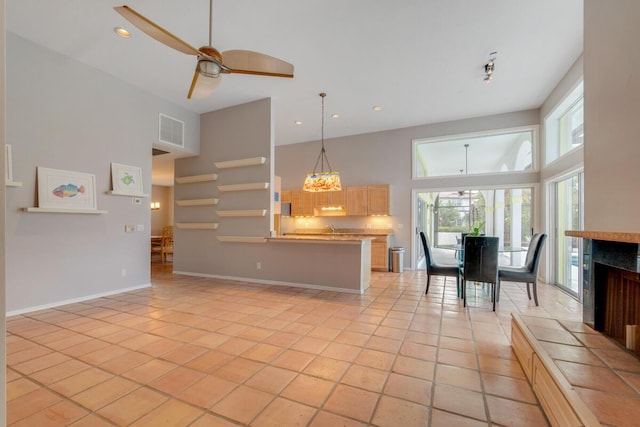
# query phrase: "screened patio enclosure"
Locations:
[[503, 212]]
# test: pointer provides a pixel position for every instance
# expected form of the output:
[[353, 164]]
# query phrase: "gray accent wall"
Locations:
[[239, 132], [385, 158], [63, 114], [612, 115]]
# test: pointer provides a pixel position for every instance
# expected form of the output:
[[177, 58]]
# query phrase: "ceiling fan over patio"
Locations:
[[210, 62]]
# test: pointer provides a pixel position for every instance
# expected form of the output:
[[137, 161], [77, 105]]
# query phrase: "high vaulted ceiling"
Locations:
[[420, 60]]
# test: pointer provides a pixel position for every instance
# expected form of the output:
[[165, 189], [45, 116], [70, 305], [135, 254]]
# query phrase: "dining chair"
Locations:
[[156, 247], [480, 264], [167, 242], [529, 272], [437, 269]]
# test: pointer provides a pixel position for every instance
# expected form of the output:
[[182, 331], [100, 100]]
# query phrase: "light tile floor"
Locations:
[[205, 352]]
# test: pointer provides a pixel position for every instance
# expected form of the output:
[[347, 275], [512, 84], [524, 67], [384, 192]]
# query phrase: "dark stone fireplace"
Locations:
[[611, 287]]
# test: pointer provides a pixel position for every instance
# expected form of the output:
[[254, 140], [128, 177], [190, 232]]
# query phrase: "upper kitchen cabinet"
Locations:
[[368, 200], [357, 200], [285, 196], [302, 203], [378, 200], [325, 199]]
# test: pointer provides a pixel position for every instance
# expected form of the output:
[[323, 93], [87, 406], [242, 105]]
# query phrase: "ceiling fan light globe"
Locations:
[[208, 68]]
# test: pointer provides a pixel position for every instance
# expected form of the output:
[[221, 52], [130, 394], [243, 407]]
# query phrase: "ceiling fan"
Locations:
[[211, 63]]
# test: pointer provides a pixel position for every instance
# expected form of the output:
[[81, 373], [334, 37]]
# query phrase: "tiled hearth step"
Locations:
[[581, 377]]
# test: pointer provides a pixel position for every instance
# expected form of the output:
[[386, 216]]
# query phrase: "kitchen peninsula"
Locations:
[[334, 262], [380, 241]]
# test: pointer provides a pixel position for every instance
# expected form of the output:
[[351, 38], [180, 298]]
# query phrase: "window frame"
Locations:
[[552, 139], [416, 164]]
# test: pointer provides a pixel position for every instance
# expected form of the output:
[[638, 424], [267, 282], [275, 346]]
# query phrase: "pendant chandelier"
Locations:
[[328, 180]]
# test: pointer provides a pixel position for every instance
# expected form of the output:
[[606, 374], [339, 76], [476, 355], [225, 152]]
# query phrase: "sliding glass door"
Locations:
[[501, 212], [568, 216]]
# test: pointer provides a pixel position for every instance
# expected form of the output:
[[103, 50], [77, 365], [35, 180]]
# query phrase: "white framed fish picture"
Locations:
[[126, 179], [63, 189]]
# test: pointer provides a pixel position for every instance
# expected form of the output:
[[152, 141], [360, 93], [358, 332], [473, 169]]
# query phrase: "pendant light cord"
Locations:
[[322, 157], [210, 21]]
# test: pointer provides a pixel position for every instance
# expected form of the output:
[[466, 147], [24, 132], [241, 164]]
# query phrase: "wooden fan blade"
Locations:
[[202, 86], [248, 62], [154, 30]]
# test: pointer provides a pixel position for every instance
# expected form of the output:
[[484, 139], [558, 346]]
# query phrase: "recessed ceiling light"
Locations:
[[122, 32], [298, 122], [335, 115], [377, 108]]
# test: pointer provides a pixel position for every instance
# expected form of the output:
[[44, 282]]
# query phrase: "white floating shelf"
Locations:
[[244, 212], [120, 193], [253, 161], [197, 202], [196, 178], [242, 239], [244, 187], [197, 225], [13, 184], [72, 211]]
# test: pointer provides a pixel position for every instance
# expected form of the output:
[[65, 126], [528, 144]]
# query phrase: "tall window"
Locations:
[[572, 127], [568, 216], [565, 126]]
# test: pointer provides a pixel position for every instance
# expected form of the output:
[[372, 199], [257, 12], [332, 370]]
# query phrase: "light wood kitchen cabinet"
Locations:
[[302, 203], [378, 202], [285, 196], [323, 198], [356, 200], [329, 198], [380, 253]]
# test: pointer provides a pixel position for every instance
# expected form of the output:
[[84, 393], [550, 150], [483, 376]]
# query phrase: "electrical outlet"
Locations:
[[139, 227], [136, 201], [129, 228], [259, 266]]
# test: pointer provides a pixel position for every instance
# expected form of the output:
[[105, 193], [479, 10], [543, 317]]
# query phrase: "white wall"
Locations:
[[612, 112], [385, 158], [3, 309], [65, 115]]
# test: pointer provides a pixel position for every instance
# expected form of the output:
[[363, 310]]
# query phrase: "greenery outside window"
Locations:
[[502, 212]]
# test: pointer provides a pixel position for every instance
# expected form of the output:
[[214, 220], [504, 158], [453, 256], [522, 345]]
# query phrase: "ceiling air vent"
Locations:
[[171, 130]]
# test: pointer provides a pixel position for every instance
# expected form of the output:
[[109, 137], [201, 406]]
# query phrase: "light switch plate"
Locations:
[[129, 228]]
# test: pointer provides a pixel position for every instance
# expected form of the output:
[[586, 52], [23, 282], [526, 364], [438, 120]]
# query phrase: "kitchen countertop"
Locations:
[[326, 238], [605, 235], [341, 232]]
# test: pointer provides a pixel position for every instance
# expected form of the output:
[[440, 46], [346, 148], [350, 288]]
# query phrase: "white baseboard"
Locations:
[[75, 300], [272, 282]]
